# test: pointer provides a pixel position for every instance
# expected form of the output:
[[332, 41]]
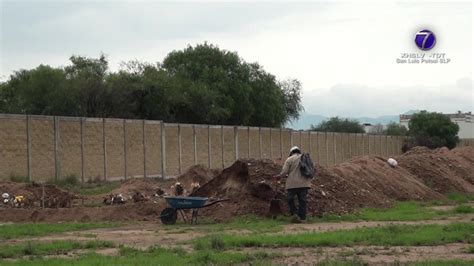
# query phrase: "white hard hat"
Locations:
[[5, 195], [294, 148]]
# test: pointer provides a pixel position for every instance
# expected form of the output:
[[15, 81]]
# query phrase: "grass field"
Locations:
[[393, 235], [8, 231], [397, 235], [50, 248]]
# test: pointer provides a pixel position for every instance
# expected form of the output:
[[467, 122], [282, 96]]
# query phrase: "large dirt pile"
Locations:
[[365, 181], [146, 186], [196, 174], [421, 174], [246, 184], [150, 186], [441, 169], [374, 175], [35, 193]]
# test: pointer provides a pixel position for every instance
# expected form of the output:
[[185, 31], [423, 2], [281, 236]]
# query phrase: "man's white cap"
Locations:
[[294, 148]]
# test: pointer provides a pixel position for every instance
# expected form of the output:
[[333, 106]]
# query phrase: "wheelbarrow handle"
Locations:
[[214, 202]]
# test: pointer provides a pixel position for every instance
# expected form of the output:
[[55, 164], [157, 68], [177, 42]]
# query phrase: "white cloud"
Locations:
[[322, 44], [354, 100]]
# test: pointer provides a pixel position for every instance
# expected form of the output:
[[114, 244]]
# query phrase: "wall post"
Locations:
[[194, 145], [236, 142], [222, 147], [83, 171], [180, 162], [163, 149], [28, 147], [57, 162], [125, 149], [209, 146]]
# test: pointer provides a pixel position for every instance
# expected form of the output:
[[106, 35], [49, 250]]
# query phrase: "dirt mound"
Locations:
[[53, 196], [366, 181], [150, 186], [441, 169], [373, 174], [146, 186], [196, 174], [128, 212]]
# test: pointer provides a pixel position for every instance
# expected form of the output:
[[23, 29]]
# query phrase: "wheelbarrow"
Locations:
[[178, 204]]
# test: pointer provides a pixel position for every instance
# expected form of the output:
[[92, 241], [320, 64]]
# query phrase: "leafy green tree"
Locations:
[[140, 90], [219, 87], [200, 84], [292, 93], [86, 77], [395, 129], [41, 90], [432, 130], [336, 124]]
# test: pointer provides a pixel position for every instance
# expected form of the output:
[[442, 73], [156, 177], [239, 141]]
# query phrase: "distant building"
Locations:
[[465, 122], [373, 129]]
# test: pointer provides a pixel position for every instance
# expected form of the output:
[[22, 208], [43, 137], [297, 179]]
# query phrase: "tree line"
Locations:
[[201, 84], [429, 129], [337, 124]]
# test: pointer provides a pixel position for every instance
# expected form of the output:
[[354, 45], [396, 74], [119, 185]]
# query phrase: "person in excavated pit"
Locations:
[[296, 185]]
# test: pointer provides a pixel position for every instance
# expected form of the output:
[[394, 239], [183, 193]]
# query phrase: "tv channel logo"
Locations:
[[425, 40]]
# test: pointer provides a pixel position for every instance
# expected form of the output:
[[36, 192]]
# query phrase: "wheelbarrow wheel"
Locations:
[[169, 216]]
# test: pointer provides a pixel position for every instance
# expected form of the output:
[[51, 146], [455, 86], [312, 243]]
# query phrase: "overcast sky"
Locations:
[[344, 53]]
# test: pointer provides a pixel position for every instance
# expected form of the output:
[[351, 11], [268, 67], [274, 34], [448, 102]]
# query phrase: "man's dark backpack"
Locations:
[[307, 166]]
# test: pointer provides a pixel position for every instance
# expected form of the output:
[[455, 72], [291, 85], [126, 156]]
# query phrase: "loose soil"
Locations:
[[36, 193], [441, 169], [366, 181]]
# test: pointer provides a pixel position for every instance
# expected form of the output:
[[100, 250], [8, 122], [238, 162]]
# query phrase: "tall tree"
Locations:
[[200, 84], [86, 77], [41, 90], [432, 130], [232, 91], [336, 124], [396, 129]]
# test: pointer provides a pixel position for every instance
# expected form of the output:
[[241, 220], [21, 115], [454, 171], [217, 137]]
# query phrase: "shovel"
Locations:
[[275, 203]]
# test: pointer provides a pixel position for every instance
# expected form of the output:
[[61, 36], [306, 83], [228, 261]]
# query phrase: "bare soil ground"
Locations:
[[366, 181], [143, 235]]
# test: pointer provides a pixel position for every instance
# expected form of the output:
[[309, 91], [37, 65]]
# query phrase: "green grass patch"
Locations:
[[460, 198], [155, 256], [401, 211], [89, 189], [73, 183], [470, 249], [443, 263], [50, 248], [393, 235], [8, 231], [252, 224], [19, 179], [463, 209]]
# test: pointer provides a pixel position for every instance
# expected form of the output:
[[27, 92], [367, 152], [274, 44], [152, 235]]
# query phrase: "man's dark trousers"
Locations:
[[302, 194]]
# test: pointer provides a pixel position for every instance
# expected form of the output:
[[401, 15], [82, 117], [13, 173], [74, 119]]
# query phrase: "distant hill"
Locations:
[[306, 120]]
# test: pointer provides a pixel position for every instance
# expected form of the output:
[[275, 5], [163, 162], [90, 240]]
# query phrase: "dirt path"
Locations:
[[375, 255], [141, 236], [333, 226], [145, 234]]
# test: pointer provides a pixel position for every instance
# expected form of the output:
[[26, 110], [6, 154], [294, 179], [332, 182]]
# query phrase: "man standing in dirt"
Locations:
[[296, 185]]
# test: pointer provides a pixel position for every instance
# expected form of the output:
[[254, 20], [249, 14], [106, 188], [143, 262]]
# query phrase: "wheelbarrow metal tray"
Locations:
[[186, 202]]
